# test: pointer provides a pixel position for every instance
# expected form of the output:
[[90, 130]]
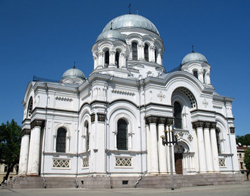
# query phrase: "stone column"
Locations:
[[24, 152], [141, 52], [208, 147], [201, 150], [148, 147], [159, 57], [101, 59], [34, 149], [214, 147], [111, 58], [162, 148], [100, 136], [235, 166], [153, 144]]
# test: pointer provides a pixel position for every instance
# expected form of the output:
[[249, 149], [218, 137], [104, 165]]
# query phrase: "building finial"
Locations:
[[192, 48], [129, 8], [74, 65]]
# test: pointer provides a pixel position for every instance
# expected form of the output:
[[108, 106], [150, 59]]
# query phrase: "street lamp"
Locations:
[[168, 139]]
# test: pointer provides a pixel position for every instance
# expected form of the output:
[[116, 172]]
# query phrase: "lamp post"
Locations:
[[170, 139]]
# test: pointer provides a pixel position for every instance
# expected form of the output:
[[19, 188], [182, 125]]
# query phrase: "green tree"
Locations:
[[244, 139], [247, 158], [10, 139]]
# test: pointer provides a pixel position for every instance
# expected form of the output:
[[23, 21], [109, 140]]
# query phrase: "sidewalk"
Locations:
[[222, 190]]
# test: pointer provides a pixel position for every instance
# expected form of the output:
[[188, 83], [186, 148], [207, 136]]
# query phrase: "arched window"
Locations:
[[204, 77], [117, 56], [134, 51], [86, 127], [61, 140], [177, 115], [218, 140], [156, 54], [30, 107], [122, 135], [195, 73], [106, 59], [146, 52]]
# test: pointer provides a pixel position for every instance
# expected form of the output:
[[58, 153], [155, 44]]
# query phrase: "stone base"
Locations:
[[147, 181]]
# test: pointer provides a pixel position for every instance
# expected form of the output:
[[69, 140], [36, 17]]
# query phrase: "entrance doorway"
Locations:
[[178, 163]]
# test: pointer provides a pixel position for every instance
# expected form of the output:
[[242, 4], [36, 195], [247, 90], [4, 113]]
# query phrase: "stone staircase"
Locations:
[[147, 181]]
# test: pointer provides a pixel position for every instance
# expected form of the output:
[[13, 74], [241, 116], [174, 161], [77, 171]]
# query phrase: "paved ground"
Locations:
[[225, 190]]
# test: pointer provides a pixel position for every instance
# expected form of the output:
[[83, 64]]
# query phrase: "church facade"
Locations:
[[114, 121]]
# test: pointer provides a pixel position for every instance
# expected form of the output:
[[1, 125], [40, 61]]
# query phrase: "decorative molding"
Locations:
[[213, 125], [190, 137], [64, 99], [121, 92]]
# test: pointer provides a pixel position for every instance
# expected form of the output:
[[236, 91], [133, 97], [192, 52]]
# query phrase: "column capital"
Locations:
[[198, 124], [162, 120], [232, 129], [92, 117], [207, 124], [213, 125], [25, 132], [152, 119], [35, 123], [170, 121], [101, 117]]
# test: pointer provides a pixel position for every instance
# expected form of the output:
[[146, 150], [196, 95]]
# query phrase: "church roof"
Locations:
[[111, 35], [131, 20], [194, 56], [73, 73]]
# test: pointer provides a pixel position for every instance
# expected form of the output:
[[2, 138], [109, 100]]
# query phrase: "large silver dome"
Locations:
[[111, 35], [73, 73], [193, 56], [131, 20]]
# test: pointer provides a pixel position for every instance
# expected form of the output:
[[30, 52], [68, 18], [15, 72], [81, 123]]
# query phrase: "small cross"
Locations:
[[161, 96], [205, 103], [74, 65], [129, 8], [193, 48]]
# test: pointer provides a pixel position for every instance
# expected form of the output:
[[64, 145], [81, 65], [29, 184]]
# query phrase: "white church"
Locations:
[[112, 123]]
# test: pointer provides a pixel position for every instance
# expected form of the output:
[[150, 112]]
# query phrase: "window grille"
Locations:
[[123, 161], [85, 162], [61, 163], [222, 162]]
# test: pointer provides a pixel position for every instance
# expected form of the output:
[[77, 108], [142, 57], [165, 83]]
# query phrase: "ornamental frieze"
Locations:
[[64, 99], [122, 92]]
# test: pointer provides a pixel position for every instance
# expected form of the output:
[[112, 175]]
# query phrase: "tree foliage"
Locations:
[[10, 139], [243, 140], [247, 158]]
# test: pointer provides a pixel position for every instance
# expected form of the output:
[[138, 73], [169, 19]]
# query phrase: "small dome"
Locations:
[[111, 35], [193, 56], [73, 73], [131, 20]]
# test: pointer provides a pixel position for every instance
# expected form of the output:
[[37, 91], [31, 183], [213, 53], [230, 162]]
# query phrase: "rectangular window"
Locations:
[[61, 163]]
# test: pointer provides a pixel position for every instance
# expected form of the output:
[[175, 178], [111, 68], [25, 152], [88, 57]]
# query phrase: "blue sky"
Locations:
[[45, 37]]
